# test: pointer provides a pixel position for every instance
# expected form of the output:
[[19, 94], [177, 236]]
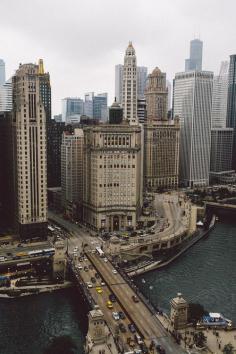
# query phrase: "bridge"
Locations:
[[223, 209], [100, 279]]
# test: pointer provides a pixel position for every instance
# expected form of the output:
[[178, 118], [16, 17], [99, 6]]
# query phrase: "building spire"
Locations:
[[41, 67]]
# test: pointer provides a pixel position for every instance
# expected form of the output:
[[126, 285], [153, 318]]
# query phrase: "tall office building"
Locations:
[[195, 60], [141, 81], [129, 90], [221, 150], [6, 96], [72, 172], [115, 113], [161, 137], [29, 152], [192, 102], [112, 196], [2, 72], [231, 104], [72, 107], [141, 110], [219, 97], [88, 104], [100, 109], [45, 90]]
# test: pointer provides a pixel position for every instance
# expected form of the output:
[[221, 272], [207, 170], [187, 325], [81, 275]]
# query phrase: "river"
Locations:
[[205, 274]]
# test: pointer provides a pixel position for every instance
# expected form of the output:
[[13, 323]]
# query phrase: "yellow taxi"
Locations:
[[109, 304], [99, 290]]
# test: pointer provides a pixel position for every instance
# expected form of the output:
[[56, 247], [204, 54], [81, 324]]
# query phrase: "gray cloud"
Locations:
[[81, 41]]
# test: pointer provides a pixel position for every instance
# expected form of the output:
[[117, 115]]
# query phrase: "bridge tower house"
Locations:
[[179, 312], [59, 261]]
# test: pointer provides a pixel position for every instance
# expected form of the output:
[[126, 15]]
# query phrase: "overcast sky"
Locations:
[[81, 41]]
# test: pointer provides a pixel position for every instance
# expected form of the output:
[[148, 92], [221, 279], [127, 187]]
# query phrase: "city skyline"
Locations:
[[91, 67]]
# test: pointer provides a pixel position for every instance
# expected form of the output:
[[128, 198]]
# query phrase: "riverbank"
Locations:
[[158, 264], [15, 292]]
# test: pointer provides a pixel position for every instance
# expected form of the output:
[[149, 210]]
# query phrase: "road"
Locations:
[[146, 322]]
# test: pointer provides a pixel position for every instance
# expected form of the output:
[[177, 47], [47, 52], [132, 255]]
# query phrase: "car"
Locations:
[[102, 283], [90, 266], [135, 298], [99, 290], [76, 249], [97, 275], [160, 349], [85, 259], [9, 254], [122, 315], [112, 298], [109, 304], [131, 327], [116, 316], [85, 268], [80, 259], [122, 327], [89, 285], [93, 280], [79, 267], [105, 260], [114, 271], [144, 348], [138, 339]]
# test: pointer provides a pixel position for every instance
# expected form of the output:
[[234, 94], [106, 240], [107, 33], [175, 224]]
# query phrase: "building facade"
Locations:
[[29, 152], [195, 60], [192, 103], [112, 176], [2, 72], [72, 172], [6, 96], [71, 106], [231, 104], [161, 137], [141, 110]]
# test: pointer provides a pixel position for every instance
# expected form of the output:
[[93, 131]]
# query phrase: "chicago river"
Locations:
[[204, 274]]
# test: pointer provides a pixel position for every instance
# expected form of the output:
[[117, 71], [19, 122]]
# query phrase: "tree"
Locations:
[[61, 345], [228, 349], [196, 312], [199, 339]]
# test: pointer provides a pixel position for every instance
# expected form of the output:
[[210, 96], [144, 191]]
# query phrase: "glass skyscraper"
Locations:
[[2, 72], [195, 60]]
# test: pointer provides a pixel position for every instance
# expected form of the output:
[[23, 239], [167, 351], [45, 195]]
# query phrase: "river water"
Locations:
[[205, 274]]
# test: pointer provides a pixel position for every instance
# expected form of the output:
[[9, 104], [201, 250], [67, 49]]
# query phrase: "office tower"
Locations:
[[6, 195], [88, 104], [72, 173], [219, 97], [168, 85], [58, 118], [45, 90], [72, 107], [192, 102], [129, 90], [115, 113], [29, 152], [2, 72], [195, 60], [141, 110], [161, 137], [112, 197], [100, 110], [6, 96], [118, 82], [141, 81], [54, 138], [221, 154], [231, 104]]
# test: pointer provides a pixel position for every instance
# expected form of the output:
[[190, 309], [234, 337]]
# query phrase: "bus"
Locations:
[[100, 252]]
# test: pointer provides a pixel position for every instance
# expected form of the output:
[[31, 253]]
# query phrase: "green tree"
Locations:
[[199, 339], [61, 345], [228, 349]]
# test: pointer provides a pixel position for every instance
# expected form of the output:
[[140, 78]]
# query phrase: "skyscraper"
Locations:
[[129, 90], [195, 60], [161, 137], [88, 104], [6, 96], [72, 172], [2, 72], [231, 104], [141, 81], [192, 102], [100, 110], [72, 107], [29, 152], [219, 97]]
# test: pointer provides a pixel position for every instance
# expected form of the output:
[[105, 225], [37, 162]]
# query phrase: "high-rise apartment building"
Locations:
[[29, 150], [192, 103], [112, 176], [72, 172], [6, 96], [231, 104], [161, 137], [2, 72], [129, 90], [195, 60], [141, 81], [219, 97], [72, 107], [100, 109]]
